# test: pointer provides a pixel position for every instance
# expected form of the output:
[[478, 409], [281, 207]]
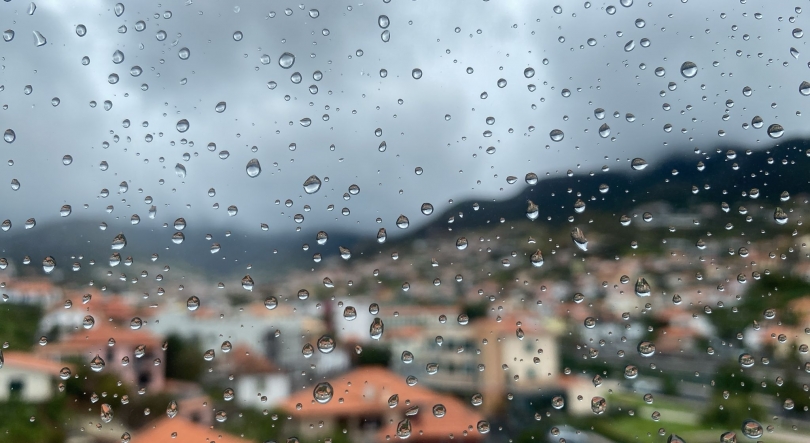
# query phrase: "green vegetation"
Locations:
[[254, 425], [183, 360], [18, 325], [770, 292], [47, 425]]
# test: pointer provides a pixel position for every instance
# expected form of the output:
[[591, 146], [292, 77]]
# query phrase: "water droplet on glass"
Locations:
[[39, 39], [416, 73], [323, 392], [8, 35], [579, 239], [638, 164], [9, 136], [376, 329], [253, 168], [402, 222], [646, 348], [106, 413], [752, 429], [383, 21], [642, 287], [598, 405], [182, 125], [604, 130], [180, 170], [775, 130], [326, 344], [97, 363], [118, 9], [689, 69], [286, 60], [312, 184], [461, 243], [556, 135]]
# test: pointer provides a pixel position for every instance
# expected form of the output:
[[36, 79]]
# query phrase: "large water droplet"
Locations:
[[106, 411], [377, 328], [326, 344], [383, 21], [775, 130], [171, 409], [97, 363], [9, 136], [182, 125], [180, 170], [604, 130], [646, 348], [247, 282], [556, 135], [689, 69], [638, 164], [253, 168], [752, 429], [598, 405], [323, 392], [39, 39], [642, 287], [118, 9], [312, 184], [579, 239], [402, 222], [416, 73], [286, 60], [404, 428]]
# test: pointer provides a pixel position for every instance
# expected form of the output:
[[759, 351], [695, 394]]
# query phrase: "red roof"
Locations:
[[181, 430], [31, 362], [365, 391]]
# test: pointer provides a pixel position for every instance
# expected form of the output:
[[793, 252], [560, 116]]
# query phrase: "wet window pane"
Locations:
[[479, 221]]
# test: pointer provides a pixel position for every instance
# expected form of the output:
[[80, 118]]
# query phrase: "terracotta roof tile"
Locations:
[[187, 432]]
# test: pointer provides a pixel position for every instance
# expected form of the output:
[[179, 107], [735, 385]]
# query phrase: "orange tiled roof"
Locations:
[[31, 362], [98, 337], [187, 432], [242, 361], [365, 391]]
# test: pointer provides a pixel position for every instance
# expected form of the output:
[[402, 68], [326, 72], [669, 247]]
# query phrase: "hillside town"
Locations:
[[421, 345]]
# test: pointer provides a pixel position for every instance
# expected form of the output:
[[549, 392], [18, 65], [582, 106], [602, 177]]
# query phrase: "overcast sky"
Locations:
[[497, 39]]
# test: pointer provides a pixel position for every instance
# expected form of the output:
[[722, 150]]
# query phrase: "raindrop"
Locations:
[[579, 239], [182, 125], [326, 344], [402, 222], [323, 392], [286, 60], [689, 69], [312, 184], [638, 164], [416, 73], [556, 135], [642, 287], [775, 130], [253, 168], [39, 39]]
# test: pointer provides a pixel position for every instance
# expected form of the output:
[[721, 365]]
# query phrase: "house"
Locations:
[[361, 405], [119, 347], [32, 291], [27, 377], [182, 430], [257, 382]]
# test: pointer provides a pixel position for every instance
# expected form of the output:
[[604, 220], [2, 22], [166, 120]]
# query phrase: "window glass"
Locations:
[[369, 221]]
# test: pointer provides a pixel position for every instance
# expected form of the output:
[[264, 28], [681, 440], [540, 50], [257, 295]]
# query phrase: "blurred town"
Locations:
[[513, 333]]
